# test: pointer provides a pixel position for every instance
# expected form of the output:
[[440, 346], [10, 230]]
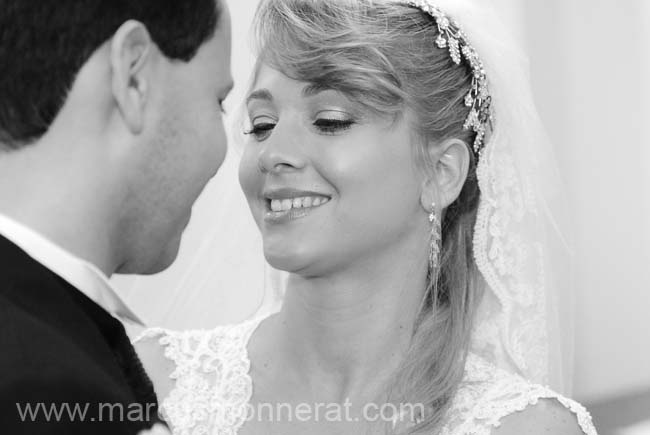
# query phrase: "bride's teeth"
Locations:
[[280, 205], [287, 204]]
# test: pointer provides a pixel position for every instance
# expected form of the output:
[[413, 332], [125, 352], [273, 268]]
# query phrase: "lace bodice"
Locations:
[[213, 387]]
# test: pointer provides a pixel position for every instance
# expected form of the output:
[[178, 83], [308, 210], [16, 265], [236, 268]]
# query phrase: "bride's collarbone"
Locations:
[[282, 405], [287, 399]]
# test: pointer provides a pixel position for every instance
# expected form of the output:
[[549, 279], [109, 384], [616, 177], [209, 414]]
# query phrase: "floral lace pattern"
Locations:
[[488, 394], [212, 385], [511, 327]]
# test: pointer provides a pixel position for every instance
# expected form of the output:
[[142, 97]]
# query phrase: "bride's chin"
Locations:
[[286, 263], [292, 261]]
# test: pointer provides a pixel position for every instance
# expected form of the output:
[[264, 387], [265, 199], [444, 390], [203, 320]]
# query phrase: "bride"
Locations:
[[397, 171]]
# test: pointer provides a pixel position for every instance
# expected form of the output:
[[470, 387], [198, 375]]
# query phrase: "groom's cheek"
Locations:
[[221, 145]]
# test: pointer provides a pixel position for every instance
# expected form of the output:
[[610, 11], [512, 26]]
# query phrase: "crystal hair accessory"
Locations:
[[478, 99]]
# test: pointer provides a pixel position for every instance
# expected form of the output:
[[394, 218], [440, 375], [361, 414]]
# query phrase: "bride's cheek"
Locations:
[[248, 177]]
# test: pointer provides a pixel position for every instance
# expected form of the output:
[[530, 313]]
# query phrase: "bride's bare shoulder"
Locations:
[[547, 417], [503, 403], [151, 348]]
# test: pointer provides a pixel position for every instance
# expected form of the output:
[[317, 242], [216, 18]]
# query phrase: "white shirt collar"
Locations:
[[82, 275]]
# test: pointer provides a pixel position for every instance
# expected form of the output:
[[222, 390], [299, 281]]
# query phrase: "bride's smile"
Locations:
[[287, 204]]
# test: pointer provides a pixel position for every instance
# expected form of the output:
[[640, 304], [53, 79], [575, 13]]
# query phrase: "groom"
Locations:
[[110, 127]]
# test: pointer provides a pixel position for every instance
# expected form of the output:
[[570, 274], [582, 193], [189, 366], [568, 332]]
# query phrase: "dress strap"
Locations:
[[211, 376], [489, 394]]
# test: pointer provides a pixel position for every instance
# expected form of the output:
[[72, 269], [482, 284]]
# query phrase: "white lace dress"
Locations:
[[213, 387]]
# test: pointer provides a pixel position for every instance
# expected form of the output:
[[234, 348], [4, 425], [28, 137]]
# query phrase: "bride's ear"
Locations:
[[451, 161]]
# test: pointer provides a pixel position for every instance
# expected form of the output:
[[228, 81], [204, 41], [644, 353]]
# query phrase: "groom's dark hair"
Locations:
[[44, 43]]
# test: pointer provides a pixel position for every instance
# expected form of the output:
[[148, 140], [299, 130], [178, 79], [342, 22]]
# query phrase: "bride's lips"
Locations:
[[288, 204]]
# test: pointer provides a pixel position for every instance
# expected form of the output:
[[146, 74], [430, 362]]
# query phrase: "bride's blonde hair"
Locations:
[[383, 55]]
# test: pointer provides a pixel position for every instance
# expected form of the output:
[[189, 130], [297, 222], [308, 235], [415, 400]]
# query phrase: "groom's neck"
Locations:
[[63, 198]]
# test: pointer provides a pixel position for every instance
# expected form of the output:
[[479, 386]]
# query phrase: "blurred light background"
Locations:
[[589, 64]]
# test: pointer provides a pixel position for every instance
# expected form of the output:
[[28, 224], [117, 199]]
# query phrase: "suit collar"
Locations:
[[82, 275]]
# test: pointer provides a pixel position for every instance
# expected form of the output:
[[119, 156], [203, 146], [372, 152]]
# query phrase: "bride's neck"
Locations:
[[353, 327]]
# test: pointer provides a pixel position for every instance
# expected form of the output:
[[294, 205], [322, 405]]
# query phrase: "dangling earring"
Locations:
[[434, 248]]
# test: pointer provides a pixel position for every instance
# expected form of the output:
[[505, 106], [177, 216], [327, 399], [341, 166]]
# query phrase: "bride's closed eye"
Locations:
[[261, 128], [333, 122], [333, 126]]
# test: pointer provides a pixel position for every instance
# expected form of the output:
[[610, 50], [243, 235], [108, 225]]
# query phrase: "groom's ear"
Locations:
[[130, 55]]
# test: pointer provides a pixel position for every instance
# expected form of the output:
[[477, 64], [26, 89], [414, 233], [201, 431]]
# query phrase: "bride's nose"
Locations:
[[282, 153]]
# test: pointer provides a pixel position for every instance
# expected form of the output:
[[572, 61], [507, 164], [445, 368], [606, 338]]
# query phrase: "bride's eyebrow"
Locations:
[[311, 90], [260, 94]]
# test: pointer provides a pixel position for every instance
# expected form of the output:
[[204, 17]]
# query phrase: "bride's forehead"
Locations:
[[271, 83], [266, 76]]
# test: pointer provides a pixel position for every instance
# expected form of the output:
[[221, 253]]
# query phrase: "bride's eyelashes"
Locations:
[[333, 121], [333, 126], [328, 126], [261, 130]]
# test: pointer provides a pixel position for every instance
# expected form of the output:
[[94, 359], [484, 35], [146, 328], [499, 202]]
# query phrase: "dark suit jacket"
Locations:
[[66, 365]]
